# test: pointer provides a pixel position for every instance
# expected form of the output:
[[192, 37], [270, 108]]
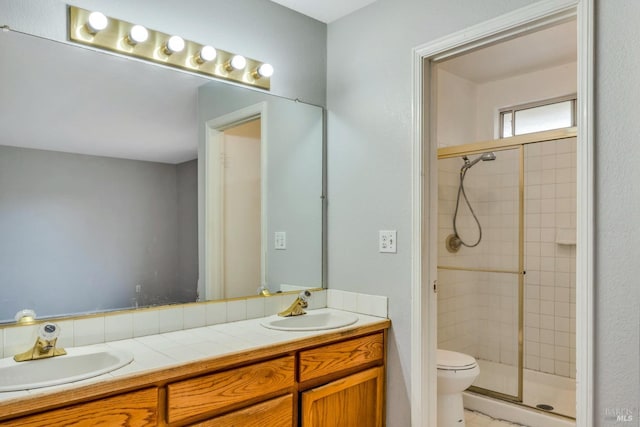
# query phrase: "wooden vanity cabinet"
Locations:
[[139, 408], [354, 401], [326, 381], [232, 389], [342, 384], [276, 412]]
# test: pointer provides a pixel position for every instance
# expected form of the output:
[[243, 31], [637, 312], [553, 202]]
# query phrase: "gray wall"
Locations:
[[369, 163], [294, 179], [294, 44], [617, 249], [187, 189], [80, 232]]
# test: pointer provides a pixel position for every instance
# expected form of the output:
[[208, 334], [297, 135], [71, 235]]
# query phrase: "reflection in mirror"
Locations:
[[105, 193]]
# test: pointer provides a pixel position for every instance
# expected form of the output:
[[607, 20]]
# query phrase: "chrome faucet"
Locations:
[[298, 306], [45, 345]]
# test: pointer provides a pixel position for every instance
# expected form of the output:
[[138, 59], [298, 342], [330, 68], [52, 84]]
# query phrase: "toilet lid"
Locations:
[[454, 361]]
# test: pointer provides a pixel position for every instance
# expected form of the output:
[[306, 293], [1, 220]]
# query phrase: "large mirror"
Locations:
[[126, 184]]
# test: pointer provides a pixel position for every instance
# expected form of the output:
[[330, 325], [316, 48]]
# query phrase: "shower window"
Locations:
[[555, 113]]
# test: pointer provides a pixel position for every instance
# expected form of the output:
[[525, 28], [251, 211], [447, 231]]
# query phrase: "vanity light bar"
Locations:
[[96, 30]]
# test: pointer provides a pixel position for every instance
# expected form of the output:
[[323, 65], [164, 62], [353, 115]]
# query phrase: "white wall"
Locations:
[[369, 162], [531, 87], [293, 43]]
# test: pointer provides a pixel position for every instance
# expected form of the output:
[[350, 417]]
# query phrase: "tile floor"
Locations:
[[476, 419]]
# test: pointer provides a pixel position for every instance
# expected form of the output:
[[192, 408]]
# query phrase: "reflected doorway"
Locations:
[[241, 200]]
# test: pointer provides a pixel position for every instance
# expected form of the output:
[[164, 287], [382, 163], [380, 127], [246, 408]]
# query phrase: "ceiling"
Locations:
[[535, 51], [325, 11]]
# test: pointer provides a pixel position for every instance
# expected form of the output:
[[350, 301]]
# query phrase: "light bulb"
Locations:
[[265, 70], [96, 22], [206, 54], [175, 44], [137, 34], [238, 62]]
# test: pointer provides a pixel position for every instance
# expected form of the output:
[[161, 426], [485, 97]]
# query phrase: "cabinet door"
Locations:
[[276, 412], [130, 409], [353, 401]]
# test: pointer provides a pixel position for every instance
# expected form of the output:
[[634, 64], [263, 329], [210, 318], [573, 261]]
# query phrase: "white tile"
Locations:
[[236, 310], [318, 300], [88, 331], [276, 303], [195, 316], [216, 312], [145, 322], [118, 327], [350, 301], [66, 338], [255, 308], [170, 319], [372, 305], [335, 299]]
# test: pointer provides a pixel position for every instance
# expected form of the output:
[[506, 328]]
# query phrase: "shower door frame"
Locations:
[[424, 198], [515, 142]]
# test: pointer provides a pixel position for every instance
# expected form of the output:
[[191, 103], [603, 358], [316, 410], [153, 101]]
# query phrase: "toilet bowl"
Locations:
[[456, 372]]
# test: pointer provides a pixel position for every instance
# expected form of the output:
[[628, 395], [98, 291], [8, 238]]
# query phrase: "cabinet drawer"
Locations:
[[276, 412], [227, 390], [139, 408], [333, 359]]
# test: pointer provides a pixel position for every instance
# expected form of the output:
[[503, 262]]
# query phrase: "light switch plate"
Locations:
[[387, 241], [280, 240]]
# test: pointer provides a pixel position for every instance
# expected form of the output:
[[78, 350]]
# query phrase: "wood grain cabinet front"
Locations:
[[276, 412], [353, 401], [229, 390], [335, 360], [129, 409]]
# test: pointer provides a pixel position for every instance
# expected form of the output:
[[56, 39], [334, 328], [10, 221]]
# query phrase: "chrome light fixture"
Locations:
[[125, 38]]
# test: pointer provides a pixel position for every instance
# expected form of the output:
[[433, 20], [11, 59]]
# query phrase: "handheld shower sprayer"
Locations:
[[454, 241]]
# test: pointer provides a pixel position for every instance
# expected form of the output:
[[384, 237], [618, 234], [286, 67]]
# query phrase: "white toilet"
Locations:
[[456, 372]]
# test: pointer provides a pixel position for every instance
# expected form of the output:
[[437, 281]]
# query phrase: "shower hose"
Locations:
[[463, 173]]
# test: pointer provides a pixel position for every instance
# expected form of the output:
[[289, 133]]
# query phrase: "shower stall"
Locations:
[[506, 265]]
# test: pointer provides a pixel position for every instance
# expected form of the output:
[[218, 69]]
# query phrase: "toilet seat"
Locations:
[[454, 361]]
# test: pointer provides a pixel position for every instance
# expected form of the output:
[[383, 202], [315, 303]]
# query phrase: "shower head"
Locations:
[[488, 156]]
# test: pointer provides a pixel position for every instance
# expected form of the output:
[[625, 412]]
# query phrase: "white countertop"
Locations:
[[165, 350]]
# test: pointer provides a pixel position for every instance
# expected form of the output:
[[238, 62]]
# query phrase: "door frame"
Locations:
[[210, 191], [425, 198]]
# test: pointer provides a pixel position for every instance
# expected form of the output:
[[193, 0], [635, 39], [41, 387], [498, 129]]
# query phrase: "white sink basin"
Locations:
[[78, 364], [312, 321]]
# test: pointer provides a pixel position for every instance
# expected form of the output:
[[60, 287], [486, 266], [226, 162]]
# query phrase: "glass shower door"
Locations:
[[480, 284]]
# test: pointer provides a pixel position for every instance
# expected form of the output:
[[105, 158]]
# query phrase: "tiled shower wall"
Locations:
[[478, 312], [550, 282]]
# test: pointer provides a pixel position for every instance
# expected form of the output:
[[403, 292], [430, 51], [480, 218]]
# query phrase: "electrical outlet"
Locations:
[[280, 240], [387, 242]]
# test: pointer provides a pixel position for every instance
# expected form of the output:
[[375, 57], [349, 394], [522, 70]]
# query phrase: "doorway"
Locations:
[[426, 276], [233, 208]]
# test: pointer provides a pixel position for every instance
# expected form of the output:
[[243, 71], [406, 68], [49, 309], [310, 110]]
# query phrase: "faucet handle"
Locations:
[[26, 316], [49, 331], [304, 295]]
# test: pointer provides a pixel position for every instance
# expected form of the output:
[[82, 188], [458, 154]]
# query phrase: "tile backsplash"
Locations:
[[144, 322]]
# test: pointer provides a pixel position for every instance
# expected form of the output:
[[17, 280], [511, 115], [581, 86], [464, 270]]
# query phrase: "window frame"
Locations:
[[501, 112]]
